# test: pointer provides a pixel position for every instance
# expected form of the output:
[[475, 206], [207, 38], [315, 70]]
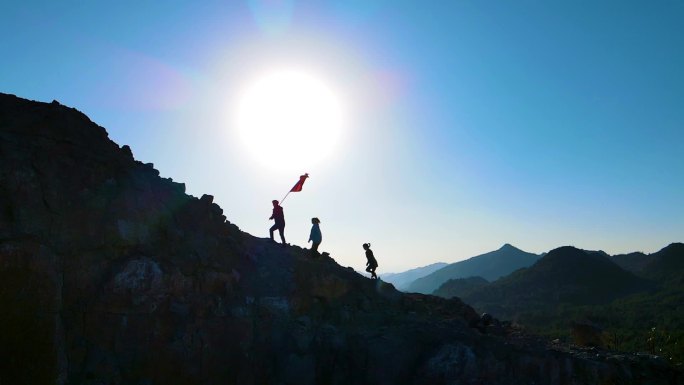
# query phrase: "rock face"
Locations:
[[112, 275]]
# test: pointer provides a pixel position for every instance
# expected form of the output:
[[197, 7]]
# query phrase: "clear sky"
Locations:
[[467, 124]]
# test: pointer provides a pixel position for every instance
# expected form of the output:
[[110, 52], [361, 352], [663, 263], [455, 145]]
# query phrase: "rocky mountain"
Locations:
[[113, 275], [489, 266], [565, 275], [402, 280], [460, 287]]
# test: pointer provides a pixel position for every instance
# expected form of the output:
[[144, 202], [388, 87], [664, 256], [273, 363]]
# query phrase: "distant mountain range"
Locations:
[[402, 280], [635, 299], [566, 275], [489, 266]]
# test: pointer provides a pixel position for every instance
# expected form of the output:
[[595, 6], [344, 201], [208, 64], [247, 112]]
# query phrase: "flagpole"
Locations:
[[282, 200]]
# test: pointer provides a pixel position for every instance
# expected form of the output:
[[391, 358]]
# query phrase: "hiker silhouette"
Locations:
[[372, 264], [315, 236], [279, 217]]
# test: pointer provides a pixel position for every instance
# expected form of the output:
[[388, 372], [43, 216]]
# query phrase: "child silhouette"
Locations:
[[372, 264]]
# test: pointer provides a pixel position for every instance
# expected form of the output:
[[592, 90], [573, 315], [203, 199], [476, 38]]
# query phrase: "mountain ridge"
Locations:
[[490, 266]]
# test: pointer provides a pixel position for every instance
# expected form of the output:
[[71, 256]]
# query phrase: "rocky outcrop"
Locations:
[[113, 275]]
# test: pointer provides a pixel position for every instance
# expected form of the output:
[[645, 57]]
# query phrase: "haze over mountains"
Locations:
[[489, 266], [402, 280]]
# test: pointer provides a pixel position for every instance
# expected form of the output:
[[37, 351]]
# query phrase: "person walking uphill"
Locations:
[[372, 264], [316, 237], [279, 217]]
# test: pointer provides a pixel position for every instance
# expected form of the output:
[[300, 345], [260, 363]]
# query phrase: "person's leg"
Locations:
[[373, 272], [281, 230], [314, 248], [368, 268], [271, 230]]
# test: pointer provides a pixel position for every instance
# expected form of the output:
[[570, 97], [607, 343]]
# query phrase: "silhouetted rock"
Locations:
[[113, 275], [586, 334]]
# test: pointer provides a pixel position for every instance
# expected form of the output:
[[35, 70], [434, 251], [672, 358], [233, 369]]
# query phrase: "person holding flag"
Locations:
[[278, 215]]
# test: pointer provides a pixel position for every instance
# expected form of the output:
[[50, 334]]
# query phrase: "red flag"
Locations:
[[298, 186]]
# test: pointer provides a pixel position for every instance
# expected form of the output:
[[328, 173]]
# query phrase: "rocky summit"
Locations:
[[110, 274]]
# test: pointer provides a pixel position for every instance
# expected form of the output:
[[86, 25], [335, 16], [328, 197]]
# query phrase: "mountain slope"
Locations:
[[667, 264], [113, 275], [490, 266], [460, 287], [403, 279]]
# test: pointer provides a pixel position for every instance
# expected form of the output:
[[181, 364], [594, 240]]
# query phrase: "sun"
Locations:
[[289, 120]]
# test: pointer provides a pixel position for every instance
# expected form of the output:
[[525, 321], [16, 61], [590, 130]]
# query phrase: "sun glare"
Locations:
[[289, 120]]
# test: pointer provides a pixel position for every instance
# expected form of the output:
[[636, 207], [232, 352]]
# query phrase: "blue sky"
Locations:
[[471, 123]]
